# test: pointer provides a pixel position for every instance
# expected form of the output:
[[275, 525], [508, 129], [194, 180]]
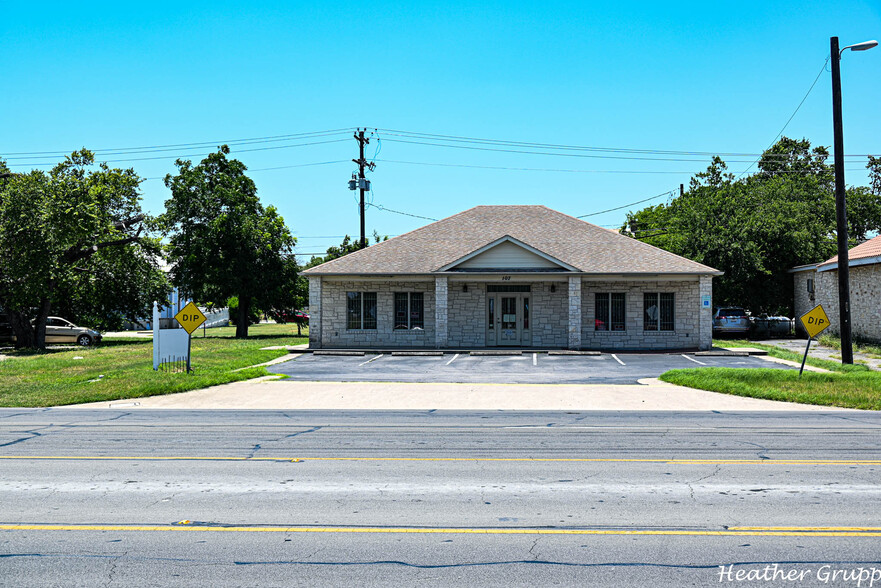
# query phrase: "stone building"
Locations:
[[817, 283], [511, 276]]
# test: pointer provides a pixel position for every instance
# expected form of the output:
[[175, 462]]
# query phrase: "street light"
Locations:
[[840, 202]]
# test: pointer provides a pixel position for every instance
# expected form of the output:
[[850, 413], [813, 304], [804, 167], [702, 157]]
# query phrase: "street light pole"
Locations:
[[841, 211], [841, 199]]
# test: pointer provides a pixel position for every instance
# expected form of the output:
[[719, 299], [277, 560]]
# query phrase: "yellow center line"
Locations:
[[804, 528], [793, 532], [457, 459]]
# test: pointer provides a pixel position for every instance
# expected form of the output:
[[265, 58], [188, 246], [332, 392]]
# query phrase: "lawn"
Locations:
[[779, 353], [123, 367], [849, 386], [871, 349], [852, 389]]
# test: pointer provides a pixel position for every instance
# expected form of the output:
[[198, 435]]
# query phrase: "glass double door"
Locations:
[[507, 320]]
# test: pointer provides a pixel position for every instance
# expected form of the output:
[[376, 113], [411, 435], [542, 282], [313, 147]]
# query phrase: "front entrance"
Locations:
[[508, 315]]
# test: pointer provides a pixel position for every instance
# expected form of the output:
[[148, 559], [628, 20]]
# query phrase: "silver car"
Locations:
[[731, 320], [59, 330]]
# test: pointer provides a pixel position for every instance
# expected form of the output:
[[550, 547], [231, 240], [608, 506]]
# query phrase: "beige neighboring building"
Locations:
[[818, 284], [511, 276]]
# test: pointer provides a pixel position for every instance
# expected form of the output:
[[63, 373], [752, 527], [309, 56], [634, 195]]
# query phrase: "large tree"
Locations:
[[223, 242], [756, 228], [75, 239]]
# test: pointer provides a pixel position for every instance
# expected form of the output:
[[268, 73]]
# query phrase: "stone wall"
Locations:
[[549, 323], [549, 320], [333, 317], [804, 300], [687, 333], [705, 334], [315, 284], [574, 313], [466, 315], [865, 300]]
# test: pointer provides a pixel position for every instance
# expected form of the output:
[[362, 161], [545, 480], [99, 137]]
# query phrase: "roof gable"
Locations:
[[507, 253], [866, 253], [565, 240]]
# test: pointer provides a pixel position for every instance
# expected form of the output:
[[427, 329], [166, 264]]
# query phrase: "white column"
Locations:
[[574, 312], [705, 321], [315, 312], [441, 305]]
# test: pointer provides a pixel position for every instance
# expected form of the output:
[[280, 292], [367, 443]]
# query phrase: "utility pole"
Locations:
[[841, 210], [362, 182]]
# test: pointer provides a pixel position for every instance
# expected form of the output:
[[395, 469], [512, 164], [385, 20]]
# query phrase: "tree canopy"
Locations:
[[75, 240], [223, 242], [756, 228], [347, 246]]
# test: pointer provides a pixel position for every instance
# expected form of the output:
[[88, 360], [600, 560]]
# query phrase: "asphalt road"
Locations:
[[226, 498], [528, 368]]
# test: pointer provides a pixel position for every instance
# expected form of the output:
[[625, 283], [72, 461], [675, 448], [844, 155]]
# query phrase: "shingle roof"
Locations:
[[871, 248], [586, 247]]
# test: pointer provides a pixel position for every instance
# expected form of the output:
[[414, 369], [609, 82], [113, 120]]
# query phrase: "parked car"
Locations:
[[290, 316], [59, 330], [772, 326], [731, 320]]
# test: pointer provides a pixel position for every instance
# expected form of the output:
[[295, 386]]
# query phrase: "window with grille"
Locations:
[[610, 312], [360, 310], [409, 311], [658, 311]]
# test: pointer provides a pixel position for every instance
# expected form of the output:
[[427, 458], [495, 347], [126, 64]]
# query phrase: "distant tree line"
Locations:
[[757, 227], [74, 241]]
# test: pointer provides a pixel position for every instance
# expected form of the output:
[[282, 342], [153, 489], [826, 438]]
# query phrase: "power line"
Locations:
[[574, 171], [554, 154], [278, 167], [557, 146], [191, 154], [667, 193], [384, 209], [121, 150], [789, 120]]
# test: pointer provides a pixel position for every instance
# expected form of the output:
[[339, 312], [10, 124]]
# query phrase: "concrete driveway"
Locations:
[[315, 384]]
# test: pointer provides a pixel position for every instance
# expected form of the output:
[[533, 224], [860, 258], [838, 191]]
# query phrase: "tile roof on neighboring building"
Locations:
[[586, 247], [866, 252]]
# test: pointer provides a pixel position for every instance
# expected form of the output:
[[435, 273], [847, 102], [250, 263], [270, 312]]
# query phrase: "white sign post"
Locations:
[[169, 345]]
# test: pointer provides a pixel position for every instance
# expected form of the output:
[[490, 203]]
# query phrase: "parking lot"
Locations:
[[528, 368]]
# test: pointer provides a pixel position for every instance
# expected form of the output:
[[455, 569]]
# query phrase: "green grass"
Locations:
[[55, 378], [859, 388], [871, 349], [779, 353]]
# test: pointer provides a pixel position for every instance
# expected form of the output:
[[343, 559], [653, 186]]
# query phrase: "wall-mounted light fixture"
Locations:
[[553, 287], [464, 287]]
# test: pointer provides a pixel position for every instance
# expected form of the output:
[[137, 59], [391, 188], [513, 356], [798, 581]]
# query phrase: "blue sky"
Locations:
[[692, 77]]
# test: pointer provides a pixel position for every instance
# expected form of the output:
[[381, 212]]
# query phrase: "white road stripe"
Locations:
[[535, 359], [618, 360], [452, 360], [693, 359], [369, 360]]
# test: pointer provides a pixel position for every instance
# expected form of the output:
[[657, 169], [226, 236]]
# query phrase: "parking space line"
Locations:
[[452, 360], [693, 359], [618, 359], [369, 360], [535, 359]]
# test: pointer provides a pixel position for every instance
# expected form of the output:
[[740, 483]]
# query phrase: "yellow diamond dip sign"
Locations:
[[815, 322], [190, 318]]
